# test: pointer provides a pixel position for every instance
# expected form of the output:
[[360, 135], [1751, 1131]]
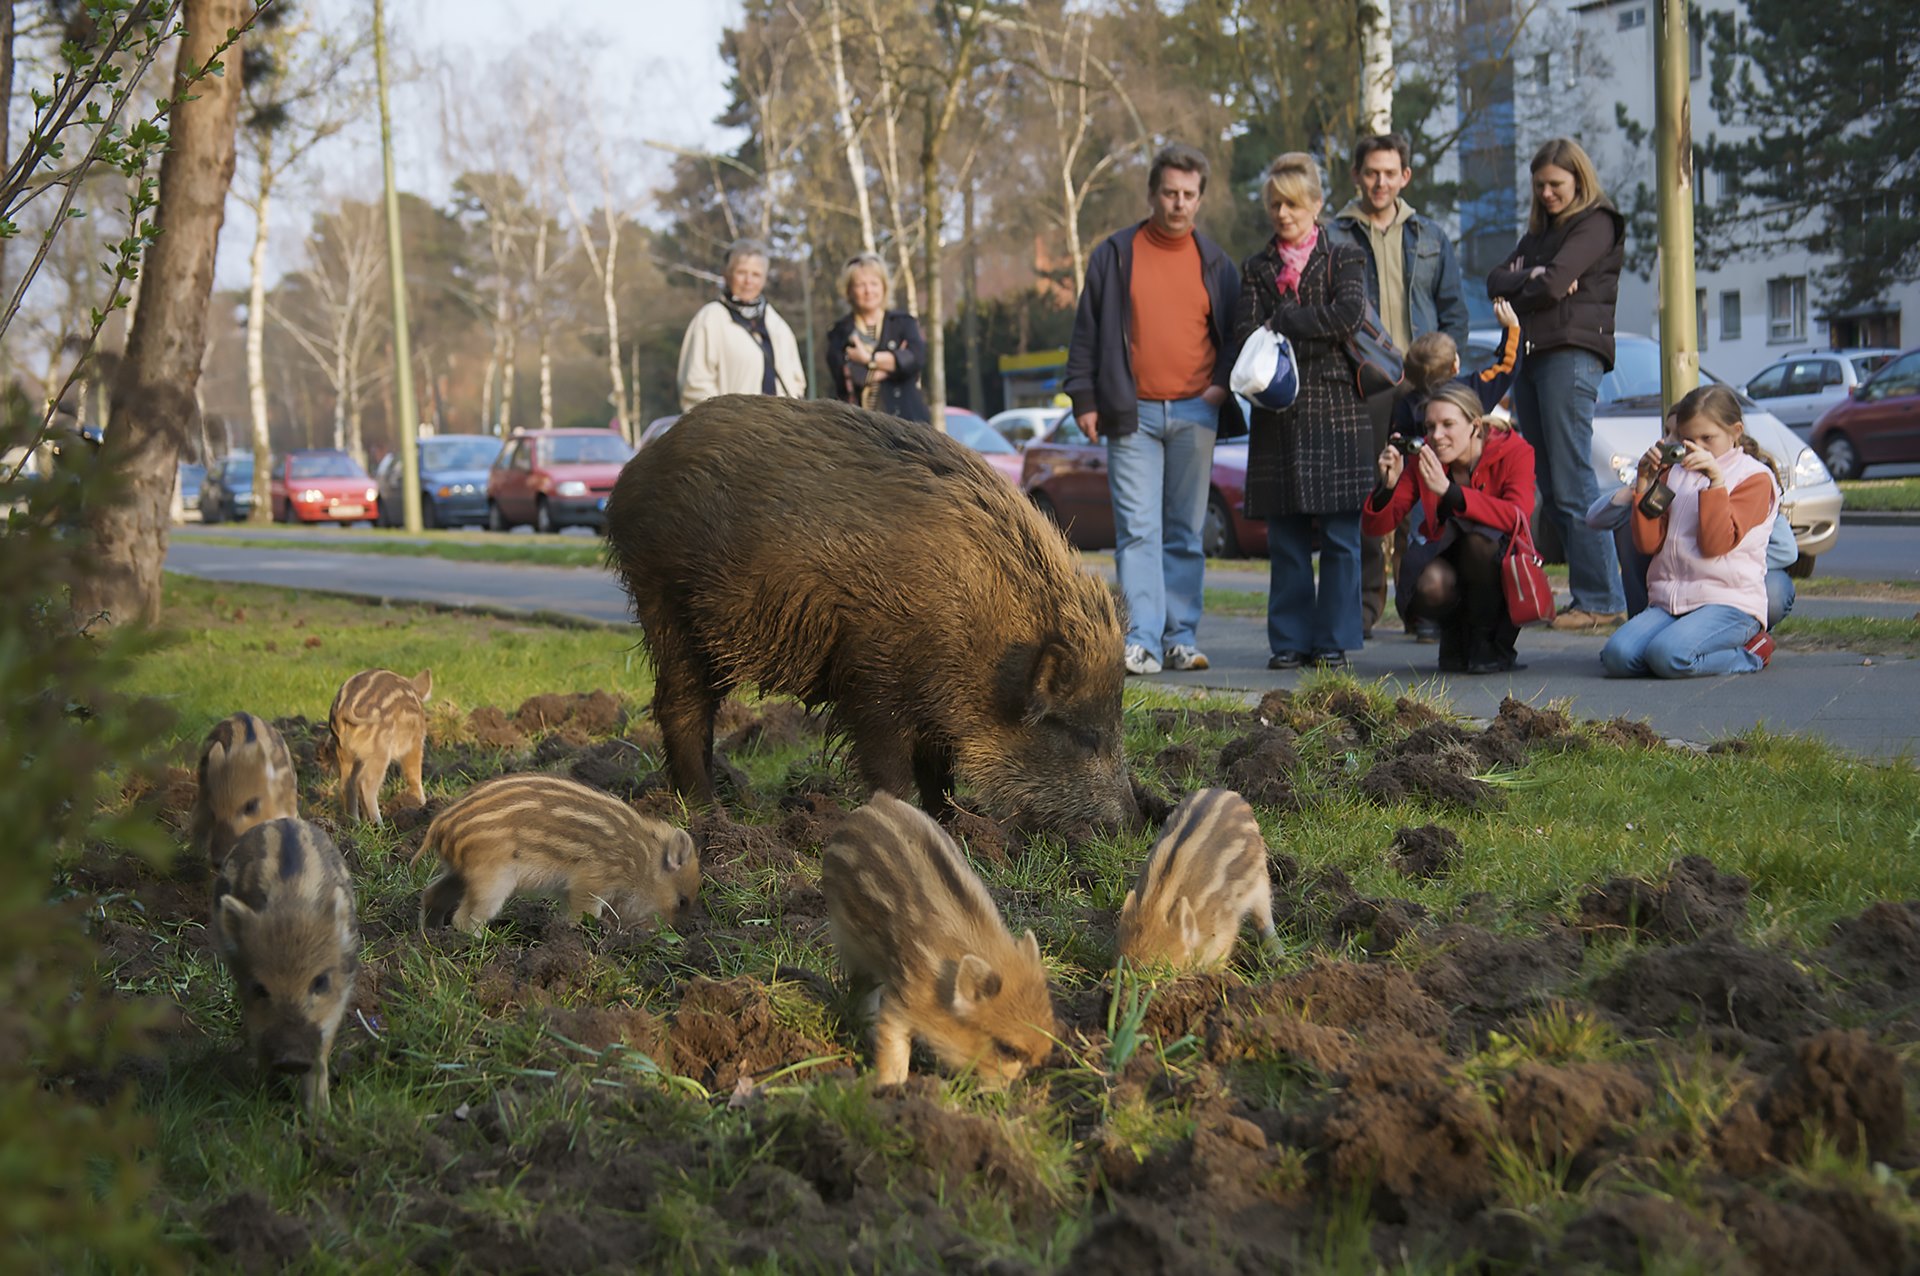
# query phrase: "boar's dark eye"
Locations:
[[686, 902], [320, 985], [252, 807], [258, 991], [1008, 1051]]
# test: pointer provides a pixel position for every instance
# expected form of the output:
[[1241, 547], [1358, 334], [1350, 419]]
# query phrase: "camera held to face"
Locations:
[[1408, 446], [1672, 453], [1656, 499]]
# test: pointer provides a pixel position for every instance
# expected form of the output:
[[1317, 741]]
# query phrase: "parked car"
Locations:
[[1021, 426], [657, 427], [1626, 421], [227, 494], [554, 479], [972, 429], [1065, 477], [321, 485], [1878, 425], [453, 481], [192, 478], [1799, 387]]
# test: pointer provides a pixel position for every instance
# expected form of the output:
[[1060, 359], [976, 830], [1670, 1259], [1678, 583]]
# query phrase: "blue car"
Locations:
[[453, 481], [226, 496], [191, 478]]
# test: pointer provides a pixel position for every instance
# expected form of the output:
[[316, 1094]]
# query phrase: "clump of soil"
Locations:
[[1533, 729], [723, 1031], [984, 838], [1380, 923], [1487, 979], [1418, 777], [1227, 1165], [1878, 955], [1368, 999], [777, 725], [1259, 767], [1624, 1233], [1695, 899], [1426, 852], [614, 767], [1713, 983], [1555, 1114], [1167, 721], [1628, 733], [246, 1231], [593, 712], [1843, 1084], [492, 729], [559, 966], [1402, 1123], [602, 1027], [736, 851], [810, 819], [1177, 761]]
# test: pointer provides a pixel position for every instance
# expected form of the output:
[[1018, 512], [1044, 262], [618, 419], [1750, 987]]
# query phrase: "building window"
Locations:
[[1787, 309], [1696, 49], [1730, 315], [1543, 70], [1700, 316], [1631, 18]]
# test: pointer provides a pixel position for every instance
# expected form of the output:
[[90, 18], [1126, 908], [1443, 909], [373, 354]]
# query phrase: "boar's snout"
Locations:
[[291, 1048], [293, 1065]]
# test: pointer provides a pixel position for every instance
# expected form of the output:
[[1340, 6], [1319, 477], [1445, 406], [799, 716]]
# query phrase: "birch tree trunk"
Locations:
[[849, 136], [1376, 66], [256, 348], [508, 358], [154, 402]]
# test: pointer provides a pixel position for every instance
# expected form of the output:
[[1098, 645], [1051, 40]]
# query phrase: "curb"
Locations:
[[1881, 518]]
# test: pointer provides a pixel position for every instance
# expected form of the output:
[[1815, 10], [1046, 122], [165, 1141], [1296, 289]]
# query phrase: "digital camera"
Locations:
[[1408, 445]]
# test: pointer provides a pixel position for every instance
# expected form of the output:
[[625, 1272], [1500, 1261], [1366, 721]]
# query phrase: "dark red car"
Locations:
[[1877, 424], [554, 479], [1065, 477], [321, 485]]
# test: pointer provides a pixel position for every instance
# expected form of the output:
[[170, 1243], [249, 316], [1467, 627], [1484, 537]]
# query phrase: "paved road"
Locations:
[[1866, 706]]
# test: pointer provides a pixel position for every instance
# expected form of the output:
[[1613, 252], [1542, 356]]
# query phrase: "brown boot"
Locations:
[[1576, 620]]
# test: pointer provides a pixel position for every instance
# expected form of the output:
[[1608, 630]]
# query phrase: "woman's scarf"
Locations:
[[747, 312], [1293, 258]]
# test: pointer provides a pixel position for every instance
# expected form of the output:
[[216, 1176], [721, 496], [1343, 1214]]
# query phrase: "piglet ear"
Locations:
[[1032, 945], [1189, 925], [1128, 904], [679, 852], [232, 917], [973, 982], [423, 683]]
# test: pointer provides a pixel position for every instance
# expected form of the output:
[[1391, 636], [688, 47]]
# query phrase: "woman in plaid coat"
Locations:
[[1313, 461]]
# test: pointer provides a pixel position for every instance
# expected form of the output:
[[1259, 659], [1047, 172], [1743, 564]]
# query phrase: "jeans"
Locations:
[[1705, 641], [1298, 620], [1553, 398], [1159, 477], [1633, 572]]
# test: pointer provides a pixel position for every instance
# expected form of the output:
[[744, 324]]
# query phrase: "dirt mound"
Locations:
[[735, 851], [1380, 924], [1259, 767], [1878, 955], [1404, 1124], [1713, 983], [779, 724], [1529, 730], [600, 1027], [1227, 1164], [1427, 852], [1628, 733], [554, 969], [984, 838], [723, 1031], [1167, 721], [592, 712], [1815, 1233], [1418, 777], [1627, 1233], [248, 1233], [1695, 899], [1486, 979], [1280, 1034], [1364, 999], [810, 820], [1843, 1085], [614, 766], [1554, 1114], [492, 729], [1143, 1238], [1177, 761]]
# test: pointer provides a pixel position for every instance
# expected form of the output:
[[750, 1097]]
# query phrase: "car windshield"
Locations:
[[587, 449], [977, 434], [1865, 365], [238, 467], [316, 465], [1635, 379], [457, 454]]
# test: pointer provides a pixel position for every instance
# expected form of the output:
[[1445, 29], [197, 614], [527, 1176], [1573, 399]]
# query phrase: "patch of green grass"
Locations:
[[276, 652], [1882, 494], [1869, 635], [1870, 590], [545, 552]]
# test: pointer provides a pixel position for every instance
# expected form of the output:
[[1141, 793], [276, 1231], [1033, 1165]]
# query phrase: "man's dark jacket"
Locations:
[[1432, 275], [1100, 356]]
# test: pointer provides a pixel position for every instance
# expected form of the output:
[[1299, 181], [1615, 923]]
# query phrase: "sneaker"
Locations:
[[1761, 645], [1186, 658], [1287, 660], [1137, 660], [1330, 660], [1424, 631], [1577, 620]]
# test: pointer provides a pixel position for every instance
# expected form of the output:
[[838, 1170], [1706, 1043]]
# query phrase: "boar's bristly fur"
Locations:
[[246, 777], [844, 557], [912, 922], [1203, 878], [539, 834], [284, 923], [378, 719]]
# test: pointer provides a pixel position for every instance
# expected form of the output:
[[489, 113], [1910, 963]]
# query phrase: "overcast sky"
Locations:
[[656, 72]]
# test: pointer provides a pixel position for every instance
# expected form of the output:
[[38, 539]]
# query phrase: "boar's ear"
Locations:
[[678, 853], [423, 683], [1127, 905], [1034, 680], [232, 916], [973, 982], [1189, 925], [1032, 945]]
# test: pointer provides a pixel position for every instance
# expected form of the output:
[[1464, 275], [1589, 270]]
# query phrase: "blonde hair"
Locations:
[[1430, 359], [1564, 152], [867, 261], [1467, 401], [1294, 179], [1722, 407]]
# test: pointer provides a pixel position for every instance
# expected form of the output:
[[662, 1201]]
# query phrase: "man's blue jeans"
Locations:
[[1159, 476], [1705, 641], [1553, 398], [1299, 619]]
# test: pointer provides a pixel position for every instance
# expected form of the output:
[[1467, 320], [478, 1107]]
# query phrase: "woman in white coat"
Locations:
[[738, 343]]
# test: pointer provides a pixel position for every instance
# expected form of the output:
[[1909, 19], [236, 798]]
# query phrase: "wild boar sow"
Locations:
[[876, 565]]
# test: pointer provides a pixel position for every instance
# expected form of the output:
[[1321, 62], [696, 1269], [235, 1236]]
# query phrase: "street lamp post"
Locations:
[[396, 271], [1673, 160]]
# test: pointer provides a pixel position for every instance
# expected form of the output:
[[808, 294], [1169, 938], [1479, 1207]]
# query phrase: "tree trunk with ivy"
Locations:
[[154, 404]]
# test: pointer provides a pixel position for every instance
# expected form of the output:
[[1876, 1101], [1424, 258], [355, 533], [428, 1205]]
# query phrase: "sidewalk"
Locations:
[[1867, 706]]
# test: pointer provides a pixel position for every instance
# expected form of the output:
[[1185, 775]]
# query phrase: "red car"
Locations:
[[1878, 423], [972, 429], [321, 485], [554, 479], [1066, 479]]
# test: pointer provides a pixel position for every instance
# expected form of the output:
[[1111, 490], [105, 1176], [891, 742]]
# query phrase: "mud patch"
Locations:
[[1426, 852], [1405, 1125], [246, 1231], [1843, 1085], [1712, 985], [492, 729], [1694, 899], [1554, 1114], [723, 1031], [1487, 979], [593, 713], [1419, 777], [1259, 767]]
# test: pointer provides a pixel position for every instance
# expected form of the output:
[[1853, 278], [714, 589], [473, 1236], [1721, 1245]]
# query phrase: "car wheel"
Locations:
[[1216, 529], [429, 517], [543, 518], [496, 521], [1801, 567], [1842, 458]]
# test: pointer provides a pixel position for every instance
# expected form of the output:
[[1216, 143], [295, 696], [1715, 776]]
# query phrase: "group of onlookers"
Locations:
[[1423, 474]]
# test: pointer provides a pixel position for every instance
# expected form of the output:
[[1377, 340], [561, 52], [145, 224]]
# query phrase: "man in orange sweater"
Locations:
[[1147, 370]]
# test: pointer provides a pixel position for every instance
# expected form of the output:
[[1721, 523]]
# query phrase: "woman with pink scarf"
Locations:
[[1312, 463]]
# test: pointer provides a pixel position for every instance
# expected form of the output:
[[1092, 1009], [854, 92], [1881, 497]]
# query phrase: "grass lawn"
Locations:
[[473, 547], [1882, 494], [541, 1096]]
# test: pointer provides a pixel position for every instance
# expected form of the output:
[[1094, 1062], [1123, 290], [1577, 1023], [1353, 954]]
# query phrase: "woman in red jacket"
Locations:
[[1474, 478]]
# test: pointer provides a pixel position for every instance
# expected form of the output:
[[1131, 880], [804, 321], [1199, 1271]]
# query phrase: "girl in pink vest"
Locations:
[[1707, 582]]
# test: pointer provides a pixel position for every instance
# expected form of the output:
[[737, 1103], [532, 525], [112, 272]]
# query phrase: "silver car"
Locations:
[[1799, 387], [1626, 421]]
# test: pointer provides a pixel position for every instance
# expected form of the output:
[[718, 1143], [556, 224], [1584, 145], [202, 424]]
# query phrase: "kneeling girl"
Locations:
[[1707, 581], [1474, 478]]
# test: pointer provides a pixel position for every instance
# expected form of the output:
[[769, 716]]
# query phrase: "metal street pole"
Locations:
[[1673, 161], [397, 275]]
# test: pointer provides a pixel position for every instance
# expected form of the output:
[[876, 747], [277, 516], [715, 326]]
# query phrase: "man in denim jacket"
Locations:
[[1414, 285]]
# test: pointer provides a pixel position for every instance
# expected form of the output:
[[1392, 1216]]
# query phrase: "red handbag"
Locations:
[[1523, 576]]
